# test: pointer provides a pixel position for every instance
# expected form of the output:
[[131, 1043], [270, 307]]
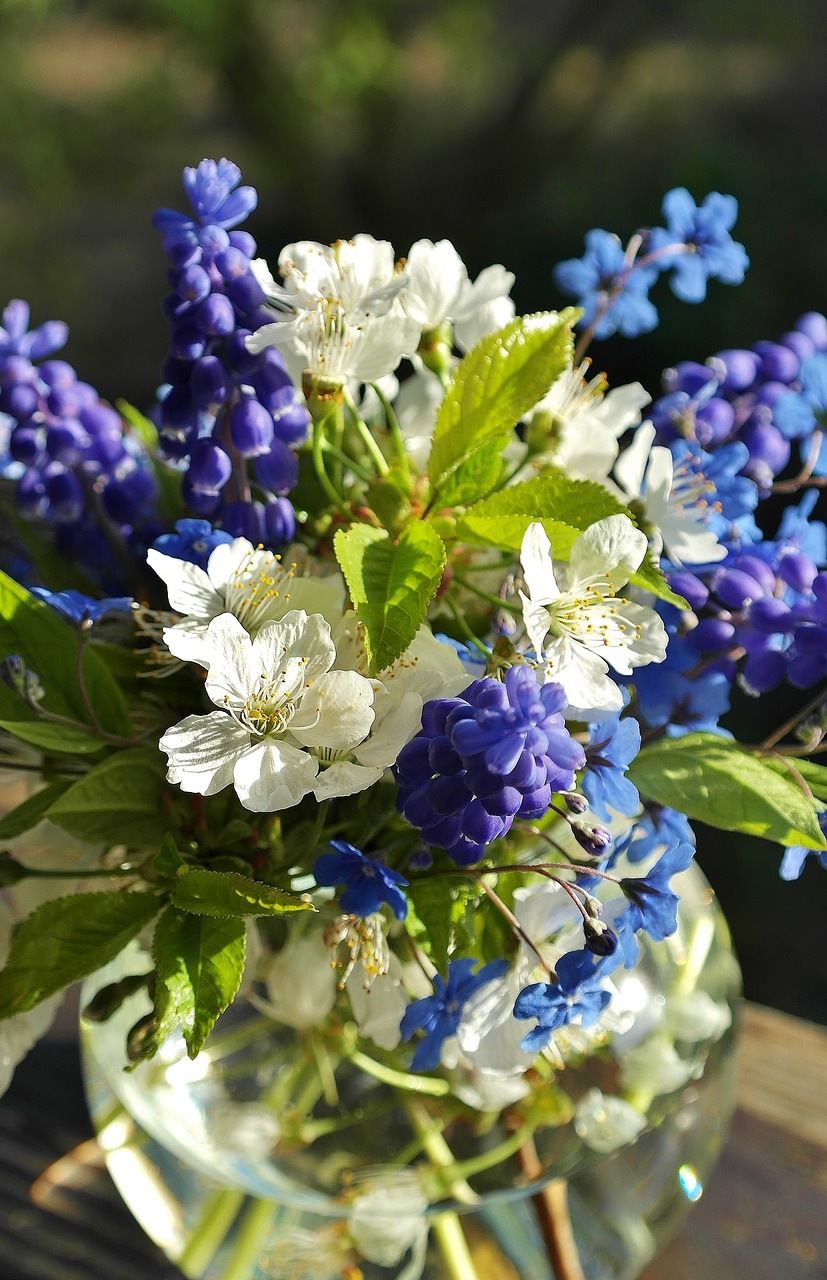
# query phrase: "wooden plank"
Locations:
[[783, 1073]]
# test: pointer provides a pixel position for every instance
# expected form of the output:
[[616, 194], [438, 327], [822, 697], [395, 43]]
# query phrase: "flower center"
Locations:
[[255, 585]]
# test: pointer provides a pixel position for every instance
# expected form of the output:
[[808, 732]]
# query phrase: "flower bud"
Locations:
[[251, 427], [210, 467]]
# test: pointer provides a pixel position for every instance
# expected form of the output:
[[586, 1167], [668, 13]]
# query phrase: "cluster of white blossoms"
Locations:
[[295, 710], [350, 310]]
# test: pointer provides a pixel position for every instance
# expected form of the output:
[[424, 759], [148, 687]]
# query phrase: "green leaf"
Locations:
[[391, 583], [48, 645], [650, 576], [712, 779], [199, 964], [475, 476], [815, 775], [167, 861], [498, 382], [54, 738], [223, 893], [31, 811], [564, 507], [65, 940], [431, 903], [119, 801]]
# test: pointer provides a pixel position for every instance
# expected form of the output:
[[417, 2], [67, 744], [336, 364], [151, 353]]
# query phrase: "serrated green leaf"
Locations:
[[431, 904], [120, 800], [54, 738], [499, 381], [199, 964], [473, 477], [65, 940], [226, 893], [714, 780], [31, 811], [48, 646], [391, 583], [564, 507]]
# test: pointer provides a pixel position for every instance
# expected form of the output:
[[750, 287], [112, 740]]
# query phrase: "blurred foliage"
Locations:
[[510, 128]]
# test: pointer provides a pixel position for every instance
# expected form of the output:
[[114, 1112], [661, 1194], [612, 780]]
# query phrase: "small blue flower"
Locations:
[[704, 249], [193, 541], [683, 703], [654, 905], [369, 883], [578, 992], [797, 414], [80, 609], [611, 748], [792, 864], [439, 1015], [798, 532], [593, 278]]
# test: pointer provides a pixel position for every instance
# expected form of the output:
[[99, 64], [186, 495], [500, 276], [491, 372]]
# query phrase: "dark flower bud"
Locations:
[[600, 939], [595, 840]]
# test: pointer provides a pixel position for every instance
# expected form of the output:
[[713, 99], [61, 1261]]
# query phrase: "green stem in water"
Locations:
[[405, 1080], [209, 1232], [251, 1239], [450, 1238]]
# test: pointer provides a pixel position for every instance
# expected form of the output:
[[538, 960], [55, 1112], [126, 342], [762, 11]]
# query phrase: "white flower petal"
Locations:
[[189, 588], [345, 778], [228, 653], [202, 752], [378, 1008], [631, 465], [538, 566], [273, 775], [606, 1123], [609, 546], [336, 711]]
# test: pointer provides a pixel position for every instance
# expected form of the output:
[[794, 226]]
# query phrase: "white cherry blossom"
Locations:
[[253, 584], [605, 1123], [281, 707], [583, 628], [438, 289], [378, 1004], [588, 421], [339, 310], [427, 669], [387, 1219], [675, 503]]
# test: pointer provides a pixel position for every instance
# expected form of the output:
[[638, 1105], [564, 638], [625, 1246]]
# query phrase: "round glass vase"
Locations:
[[247, 1162]]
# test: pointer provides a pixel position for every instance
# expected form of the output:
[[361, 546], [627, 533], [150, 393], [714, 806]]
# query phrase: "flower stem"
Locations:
[[487, 595], [249, 1243], [395, 432], [377, 456], [450, 1238], [552, 1208], [219, 1213]]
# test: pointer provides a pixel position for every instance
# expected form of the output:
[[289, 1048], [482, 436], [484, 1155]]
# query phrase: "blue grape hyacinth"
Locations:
[[495, 752], [224, 410]]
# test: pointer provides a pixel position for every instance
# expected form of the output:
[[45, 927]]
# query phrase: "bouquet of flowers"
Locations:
[[373, 674]]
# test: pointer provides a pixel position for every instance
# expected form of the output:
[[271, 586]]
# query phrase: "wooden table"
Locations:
[[763, 1216]]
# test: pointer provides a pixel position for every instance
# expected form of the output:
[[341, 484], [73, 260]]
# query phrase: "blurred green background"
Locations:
[[511, 128]]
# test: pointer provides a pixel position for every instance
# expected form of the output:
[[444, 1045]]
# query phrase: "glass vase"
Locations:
[[244, 1163]]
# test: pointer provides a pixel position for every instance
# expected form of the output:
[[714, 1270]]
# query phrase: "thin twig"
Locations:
[[553, 1218]]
